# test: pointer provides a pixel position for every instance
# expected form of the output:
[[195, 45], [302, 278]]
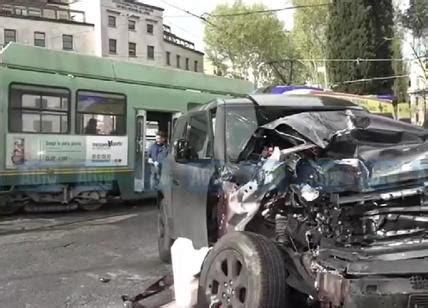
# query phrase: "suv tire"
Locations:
[[164, 238], [244, 270]]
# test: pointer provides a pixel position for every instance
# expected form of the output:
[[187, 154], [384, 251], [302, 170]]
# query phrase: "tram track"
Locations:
[[54, 226]]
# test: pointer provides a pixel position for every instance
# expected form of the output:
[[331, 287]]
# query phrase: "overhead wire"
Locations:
[[372, 79], [344, 60], [271, 10]]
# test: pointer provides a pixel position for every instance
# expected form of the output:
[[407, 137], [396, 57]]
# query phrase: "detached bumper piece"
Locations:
[[367, 292], [158, 287]]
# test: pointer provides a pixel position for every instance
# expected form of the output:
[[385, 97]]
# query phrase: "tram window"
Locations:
[[38, 109], [101, 113]]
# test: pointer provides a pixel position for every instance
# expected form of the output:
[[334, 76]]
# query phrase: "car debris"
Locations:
[[105, 280], [186, 264], [157, 287]]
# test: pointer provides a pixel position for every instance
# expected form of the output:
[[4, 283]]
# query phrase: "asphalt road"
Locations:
[[60, 260]]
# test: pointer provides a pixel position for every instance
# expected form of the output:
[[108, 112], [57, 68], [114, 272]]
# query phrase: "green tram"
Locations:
[[49, 160]]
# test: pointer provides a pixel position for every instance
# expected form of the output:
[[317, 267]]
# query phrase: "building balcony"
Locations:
[[174, 39], [44, 11]]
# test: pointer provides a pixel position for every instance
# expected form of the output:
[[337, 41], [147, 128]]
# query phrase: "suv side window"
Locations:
[[179, 129], [197, 135], [212, 118]]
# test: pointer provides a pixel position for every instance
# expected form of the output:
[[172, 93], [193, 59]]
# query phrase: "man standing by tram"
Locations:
[[157, 153]]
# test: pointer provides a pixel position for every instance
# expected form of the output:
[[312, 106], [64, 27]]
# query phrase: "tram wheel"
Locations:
[[9, 209], [91, 206]]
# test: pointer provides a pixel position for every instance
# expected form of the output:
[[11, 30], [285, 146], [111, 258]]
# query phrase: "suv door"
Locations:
[[191, 180]]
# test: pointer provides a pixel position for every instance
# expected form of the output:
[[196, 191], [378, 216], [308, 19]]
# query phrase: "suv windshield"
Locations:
[[243, 120]]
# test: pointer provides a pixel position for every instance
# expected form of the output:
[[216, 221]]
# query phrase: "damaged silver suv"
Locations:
[[307, 200]]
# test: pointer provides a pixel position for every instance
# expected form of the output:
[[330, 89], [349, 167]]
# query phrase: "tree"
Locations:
[[416, 17], [400, 86], [361, 29], [309, 36], [416, 20], [241, 45]]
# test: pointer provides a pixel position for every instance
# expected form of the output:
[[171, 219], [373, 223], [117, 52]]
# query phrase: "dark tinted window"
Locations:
[[38, 109], [39, 39], [197, 134], [131, 25], [150, 28], [180, 129], [101, 113], [67, 42], [112, 21], [112, 46], [178, 61], [132, 49], [151, 52], [168, 58], [9, 36]]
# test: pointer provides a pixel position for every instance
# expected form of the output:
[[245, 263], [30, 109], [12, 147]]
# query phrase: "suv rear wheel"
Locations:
[[164, 238], [244, 270]]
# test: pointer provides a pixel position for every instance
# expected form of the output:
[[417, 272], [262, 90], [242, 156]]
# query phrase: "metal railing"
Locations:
[[42, 11]]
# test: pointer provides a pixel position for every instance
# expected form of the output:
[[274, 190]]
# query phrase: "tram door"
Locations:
[[140, 150], [148, 123]]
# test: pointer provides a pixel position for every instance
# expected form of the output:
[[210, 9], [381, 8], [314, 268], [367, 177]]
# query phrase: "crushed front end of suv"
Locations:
[[340, 192]]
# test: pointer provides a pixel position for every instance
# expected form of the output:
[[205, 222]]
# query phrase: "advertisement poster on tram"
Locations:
[[48, 151]]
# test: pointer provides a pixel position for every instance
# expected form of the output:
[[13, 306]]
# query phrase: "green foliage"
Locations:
[[400, 84], [361, 29], [309, 36], [416, 17], [241, 45]]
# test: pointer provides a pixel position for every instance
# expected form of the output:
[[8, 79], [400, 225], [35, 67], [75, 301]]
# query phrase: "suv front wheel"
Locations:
[[244, 270]]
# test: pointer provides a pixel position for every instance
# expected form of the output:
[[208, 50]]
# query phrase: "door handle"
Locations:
[[176, 182]]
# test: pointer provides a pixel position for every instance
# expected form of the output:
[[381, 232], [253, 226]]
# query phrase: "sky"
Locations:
[[192, 29]]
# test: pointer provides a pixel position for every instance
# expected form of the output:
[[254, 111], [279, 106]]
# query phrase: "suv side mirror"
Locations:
[[181, 151]]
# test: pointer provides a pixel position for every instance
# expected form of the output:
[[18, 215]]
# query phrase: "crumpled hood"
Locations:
[[320, 127], [358, 159]]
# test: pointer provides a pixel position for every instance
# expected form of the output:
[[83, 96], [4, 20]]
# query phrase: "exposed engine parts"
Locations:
[[353, 189]]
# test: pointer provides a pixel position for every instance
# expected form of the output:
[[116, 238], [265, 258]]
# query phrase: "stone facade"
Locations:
[[125, 30]]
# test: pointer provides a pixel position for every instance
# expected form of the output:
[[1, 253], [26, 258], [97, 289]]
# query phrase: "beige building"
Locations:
[[47, 25], [132, 30], [418, 90], [121, 29]]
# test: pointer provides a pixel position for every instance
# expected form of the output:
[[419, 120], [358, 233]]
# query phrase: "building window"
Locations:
[[131, 25], [132, 49], [100, 113], [34, 12], [40, 39], [63, 14], [196, 66], [150, 28], [178, 61], [187, 64], [112, 21], [39, 109], [9, 36], [112, 46], [67, 42], [168, 58], [150, 52]]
